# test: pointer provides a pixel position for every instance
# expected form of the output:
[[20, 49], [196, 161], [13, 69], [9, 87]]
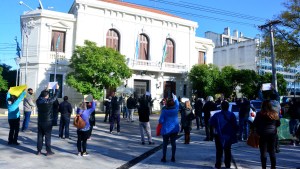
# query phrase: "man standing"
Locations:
[[28, 108], [198, 112], [144, 114], [115, 112], [131, 105], [225, 126], [45, 116], [207, 108], [65, 109]]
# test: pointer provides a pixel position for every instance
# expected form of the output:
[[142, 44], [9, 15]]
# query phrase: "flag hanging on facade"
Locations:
[[164, 52], [18, 49], [137, 47], [57, 42]]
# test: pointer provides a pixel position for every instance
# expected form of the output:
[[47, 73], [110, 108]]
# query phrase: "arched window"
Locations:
[[170, 54], [113, 39], [144, 47]]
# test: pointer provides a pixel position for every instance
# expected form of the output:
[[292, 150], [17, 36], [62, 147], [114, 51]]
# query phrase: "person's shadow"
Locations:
[[19, 147]]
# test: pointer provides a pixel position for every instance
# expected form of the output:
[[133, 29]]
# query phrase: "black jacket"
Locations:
[[45, 108], [131, 103], [198, 107], [264, 125], [143, 110], [208, 106], [65, 109]]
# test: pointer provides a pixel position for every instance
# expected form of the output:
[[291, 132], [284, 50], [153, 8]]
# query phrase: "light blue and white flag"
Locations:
[[57, 42], [164, 52], [137, 47]]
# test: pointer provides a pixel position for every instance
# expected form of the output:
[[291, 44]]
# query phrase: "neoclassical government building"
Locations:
[[142, 34]]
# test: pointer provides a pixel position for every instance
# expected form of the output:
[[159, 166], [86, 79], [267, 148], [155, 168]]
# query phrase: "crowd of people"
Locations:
[[222, 127]]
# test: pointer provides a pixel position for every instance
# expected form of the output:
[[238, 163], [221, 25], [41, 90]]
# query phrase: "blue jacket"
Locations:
[[169, 119], [13, 109], [86, 115], [225, 125]]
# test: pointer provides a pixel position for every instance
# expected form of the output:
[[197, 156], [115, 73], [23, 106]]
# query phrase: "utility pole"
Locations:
[[269, 27]]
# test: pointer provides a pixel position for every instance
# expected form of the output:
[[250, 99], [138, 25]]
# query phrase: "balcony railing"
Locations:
[[59, 56], [156, 66]]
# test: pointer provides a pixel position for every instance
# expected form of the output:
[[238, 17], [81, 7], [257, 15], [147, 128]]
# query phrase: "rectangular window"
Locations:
[[58, 41], [184, 90], [225, 41], [59, 79], [201, 57]]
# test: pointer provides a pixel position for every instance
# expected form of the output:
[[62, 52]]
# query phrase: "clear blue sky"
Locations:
[[211, 15]]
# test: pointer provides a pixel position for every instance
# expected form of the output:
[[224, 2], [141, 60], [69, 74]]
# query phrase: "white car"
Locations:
[[233, 107]]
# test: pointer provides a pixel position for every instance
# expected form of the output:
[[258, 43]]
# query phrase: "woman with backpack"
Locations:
[[83, 133]]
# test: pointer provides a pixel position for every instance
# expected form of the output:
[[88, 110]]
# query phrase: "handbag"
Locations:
[[253, 140], [79, 123], [158, 129]]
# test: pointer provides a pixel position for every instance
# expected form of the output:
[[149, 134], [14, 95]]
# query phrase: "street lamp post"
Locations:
[[27, 30]]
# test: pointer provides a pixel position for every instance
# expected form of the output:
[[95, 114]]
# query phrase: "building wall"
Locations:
[[90, 20]]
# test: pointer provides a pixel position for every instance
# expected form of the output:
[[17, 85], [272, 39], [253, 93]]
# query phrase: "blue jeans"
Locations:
[[26, 120], [244, 128], [64, 126]]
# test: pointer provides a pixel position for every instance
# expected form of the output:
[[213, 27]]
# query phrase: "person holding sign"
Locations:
[[45, 117], [13, 102]]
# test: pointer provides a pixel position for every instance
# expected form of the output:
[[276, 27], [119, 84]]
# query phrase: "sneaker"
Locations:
[[89, 138], [85, 154], [118, 133], [49, 153], [143, 143], [38, 153], [110, 132], [79, 154], [95, 127]]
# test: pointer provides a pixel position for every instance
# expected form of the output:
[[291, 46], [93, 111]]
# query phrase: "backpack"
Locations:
[[79, 123]]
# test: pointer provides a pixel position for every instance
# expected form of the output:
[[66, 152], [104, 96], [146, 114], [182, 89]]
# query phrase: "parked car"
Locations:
[[233, 107]]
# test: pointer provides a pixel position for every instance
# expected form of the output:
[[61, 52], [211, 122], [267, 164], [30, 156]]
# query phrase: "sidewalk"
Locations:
[[108, 151]]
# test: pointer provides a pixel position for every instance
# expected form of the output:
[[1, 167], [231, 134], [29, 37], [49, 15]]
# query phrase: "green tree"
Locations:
[[3, 82], [204, 78], [248, 80], [286, 35], [9, 75], [226, 82], [96, 67]]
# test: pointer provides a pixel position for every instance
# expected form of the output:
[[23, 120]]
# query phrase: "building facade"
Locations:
[[243, 53], [145, 36]]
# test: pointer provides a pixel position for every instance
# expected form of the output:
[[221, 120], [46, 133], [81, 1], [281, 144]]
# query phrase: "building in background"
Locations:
[[243, 53], [142, 34]]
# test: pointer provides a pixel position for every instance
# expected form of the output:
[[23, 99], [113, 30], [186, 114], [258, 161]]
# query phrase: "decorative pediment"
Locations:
[[59, 24]]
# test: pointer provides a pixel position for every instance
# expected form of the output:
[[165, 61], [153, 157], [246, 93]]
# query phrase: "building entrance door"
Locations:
[[141, 87]]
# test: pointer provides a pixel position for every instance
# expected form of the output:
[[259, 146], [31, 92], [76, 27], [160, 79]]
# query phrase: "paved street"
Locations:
[[110, 151]]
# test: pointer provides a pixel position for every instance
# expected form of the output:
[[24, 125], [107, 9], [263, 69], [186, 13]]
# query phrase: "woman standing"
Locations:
[[84, 132], [266, 123], [186, 121], [14, 116], [170, 126]]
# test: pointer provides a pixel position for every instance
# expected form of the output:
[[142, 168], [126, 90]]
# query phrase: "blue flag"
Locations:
[[57, 42], [18, 49], [137, 48], [164, 52]]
